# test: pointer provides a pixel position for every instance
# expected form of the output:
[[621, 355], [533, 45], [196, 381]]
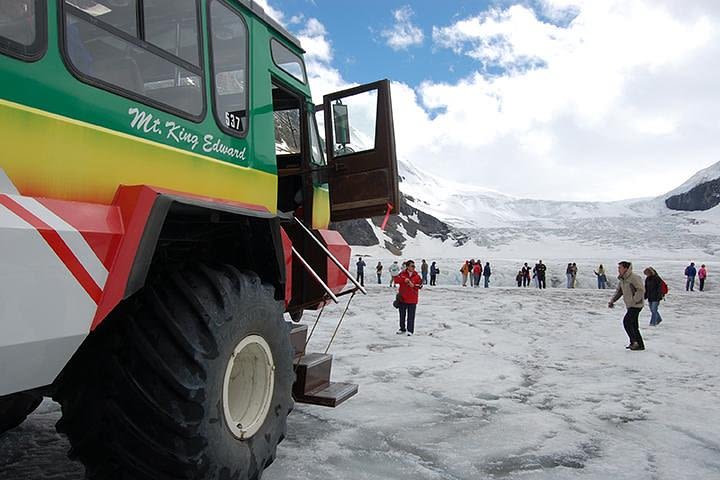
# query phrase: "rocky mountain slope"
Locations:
[[700, 192]]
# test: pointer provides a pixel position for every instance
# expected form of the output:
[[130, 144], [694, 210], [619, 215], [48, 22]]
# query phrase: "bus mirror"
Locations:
[[341, 123]]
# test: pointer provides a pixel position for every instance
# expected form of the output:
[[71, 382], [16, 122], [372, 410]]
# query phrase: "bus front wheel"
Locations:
[[191, 380]]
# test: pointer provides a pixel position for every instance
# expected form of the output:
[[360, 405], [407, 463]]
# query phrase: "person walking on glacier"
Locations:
[[569, 275], [394, 271], [702, 275], [690, 273], [476, 274], [540, 270], [632, 290], [410, 285], [465, 270], [526, 275], [653, 294], [486, 273], [424, 271], [378, 270], [434, 271], [601, 278], [360, 271]]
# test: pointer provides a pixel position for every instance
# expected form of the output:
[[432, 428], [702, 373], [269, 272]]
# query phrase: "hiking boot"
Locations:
[[399, 332], [636, 346], [409, 334]]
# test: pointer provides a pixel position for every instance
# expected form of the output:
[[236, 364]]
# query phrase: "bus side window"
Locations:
[[159, 66], [228, 50], [23, 28]]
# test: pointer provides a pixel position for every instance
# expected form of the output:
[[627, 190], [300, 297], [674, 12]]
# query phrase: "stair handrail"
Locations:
[[332, 257], [315, 275]]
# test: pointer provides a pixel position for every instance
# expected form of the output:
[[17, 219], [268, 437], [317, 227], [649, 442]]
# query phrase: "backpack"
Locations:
[[663, 287]]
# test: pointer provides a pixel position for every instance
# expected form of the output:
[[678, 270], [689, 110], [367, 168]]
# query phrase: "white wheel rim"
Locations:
[[248, 386]]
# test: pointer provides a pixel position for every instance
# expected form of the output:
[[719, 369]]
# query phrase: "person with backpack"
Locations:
[[410, 285], [434, 271], [632, 290], [653, 294], [702, 275], [519, 278], [378, 270], [690, 273]]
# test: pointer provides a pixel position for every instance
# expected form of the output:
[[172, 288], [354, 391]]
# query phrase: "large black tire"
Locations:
[[142, 400], [15, 408]]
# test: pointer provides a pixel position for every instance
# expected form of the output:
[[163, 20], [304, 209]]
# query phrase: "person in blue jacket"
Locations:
[[690, 273]]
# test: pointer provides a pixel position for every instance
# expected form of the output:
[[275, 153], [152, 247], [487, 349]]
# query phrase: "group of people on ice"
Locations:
[[394, 270], [631, 288], [474, 270]]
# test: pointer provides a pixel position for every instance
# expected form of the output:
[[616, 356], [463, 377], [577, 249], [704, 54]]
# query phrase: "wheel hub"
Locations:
[[248, 386]]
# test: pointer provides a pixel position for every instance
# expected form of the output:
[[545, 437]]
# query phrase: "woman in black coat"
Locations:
[[653, 293]]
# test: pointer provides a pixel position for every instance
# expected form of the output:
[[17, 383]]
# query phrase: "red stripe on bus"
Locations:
[[58, 245]]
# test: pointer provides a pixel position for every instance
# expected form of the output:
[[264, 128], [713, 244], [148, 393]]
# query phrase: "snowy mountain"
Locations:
[[700, 192], [441, 218]]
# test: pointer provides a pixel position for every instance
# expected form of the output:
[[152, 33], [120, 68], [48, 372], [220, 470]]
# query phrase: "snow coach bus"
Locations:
[[165, 200]]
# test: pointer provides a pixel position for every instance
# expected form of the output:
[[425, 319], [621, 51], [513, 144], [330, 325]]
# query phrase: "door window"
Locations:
[[354, 122]]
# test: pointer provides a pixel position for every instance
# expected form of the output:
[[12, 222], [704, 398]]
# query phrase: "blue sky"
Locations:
[[554, 99], [356, 32]]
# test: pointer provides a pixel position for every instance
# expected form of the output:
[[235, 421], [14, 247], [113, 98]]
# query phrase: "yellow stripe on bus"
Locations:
[[48, 155]]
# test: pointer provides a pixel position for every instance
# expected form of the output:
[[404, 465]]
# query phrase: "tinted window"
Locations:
[[121, 14], [288, 61], [173, 26], [101, 53], [22, 27], [228, 44]]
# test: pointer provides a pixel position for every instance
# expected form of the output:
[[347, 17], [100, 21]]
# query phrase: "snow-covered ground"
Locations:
[[496, 383]]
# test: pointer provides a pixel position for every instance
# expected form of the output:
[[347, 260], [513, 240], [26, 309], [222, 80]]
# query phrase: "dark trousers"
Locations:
[[525, 281], [407, 309], [361, 278], [432, 279], [379, 278], [541, 281], [702, 284], [630, 322]]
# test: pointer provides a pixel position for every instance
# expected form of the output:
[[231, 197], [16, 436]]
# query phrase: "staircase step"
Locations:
[[298, 337], [330, 396], [312, 373]]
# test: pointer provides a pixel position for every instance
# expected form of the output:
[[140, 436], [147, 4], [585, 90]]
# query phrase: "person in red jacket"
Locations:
[[410, 284]]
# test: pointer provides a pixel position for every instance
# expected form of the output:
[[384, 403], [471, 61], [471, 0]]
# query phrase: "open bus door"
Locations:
[[360, 146]]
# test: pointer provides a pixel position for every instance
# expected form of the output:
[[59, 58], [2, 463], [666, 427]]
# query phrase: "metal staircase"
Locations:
[[313, 370]]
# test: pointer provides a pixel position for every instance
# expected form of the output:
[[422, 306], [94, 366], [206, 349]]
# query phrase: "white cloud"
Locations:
[[404, 33], [273, 12], [606, 100], [579, 105]]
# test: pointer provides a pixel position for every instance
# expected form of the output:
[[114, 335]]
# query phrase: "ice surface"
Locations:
[[502, 382]]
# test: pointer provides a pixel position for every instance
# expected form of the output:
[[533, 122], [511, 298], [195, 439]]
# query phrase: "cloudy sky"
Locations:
[[554, 99]]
